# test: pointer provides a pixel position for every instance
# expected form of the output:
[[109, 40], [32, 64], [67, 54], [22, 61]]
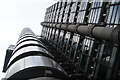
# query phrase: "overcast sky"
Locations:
[[14, 16]]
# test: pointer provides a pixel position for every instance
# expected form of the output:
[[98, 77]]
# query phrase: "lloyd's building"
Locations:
[[80, 40]]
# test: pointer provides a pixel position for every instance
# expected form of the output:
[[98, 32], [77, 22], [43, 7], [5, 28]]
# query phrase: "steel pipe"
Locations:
[[58, 26], [99, 32], [54, 25], [72, 28], [107, 33], [64, 26], [85, 30]]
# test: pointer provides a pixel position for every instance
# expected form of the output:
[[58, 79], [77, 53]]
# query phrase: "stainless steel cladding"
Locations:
[[35, 66], [30, 59]]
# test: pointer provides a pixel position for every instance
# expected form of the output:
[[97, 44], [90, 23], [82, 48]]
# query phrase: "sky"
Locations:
[[16, 15]]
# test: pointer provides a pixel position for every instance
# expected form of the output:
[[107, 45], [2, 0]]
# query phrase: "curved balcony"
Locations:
[[27, 38], [28, 51], [27, 43], [22, 37], [35, 66]]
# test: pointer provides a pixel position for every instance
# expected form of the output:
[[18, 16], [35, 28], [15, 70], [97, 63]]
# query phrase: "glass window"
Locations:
[[56, 35], [74, 7], [69, 1], [60, 18], [73, 48], [114, 14], [66, 40], [115, 1], [89, 20], [72, 17], [117, 16], [58, 12], [64, 2], [59, 4], [83, 5], [80, 18], [67, 8], [109, 14], [95, 16], [65, 18], [98, 15], [83, 62], [61, 11]]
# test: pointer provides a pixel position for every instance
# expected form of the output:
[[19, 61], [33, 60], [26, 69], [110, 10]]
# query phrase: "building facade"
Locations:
[[86, 33], [80, 40]]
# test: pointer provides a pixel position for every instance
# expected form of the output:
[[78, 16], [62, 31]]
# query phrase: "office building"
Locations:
[[80, 40], [86, 33]]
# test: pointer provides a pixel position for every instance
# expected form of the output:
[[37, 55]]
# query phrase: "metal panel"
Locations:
[[27, 51], [26, 36], [26, 31], [25, 44], [29, 39], [35, 66]]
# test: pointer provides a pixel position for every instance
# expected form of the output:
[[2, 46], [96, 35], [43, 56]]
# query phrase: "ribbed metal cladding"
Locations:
[[30, 59]]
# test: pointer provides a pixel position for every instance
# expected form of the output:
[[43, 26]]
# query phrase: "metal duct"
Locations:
[[107, 33], [51, 24], [48, 25], [58, 26], [72, 28], [64, 26], [84, 30], [54, 25], [99, 32]]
